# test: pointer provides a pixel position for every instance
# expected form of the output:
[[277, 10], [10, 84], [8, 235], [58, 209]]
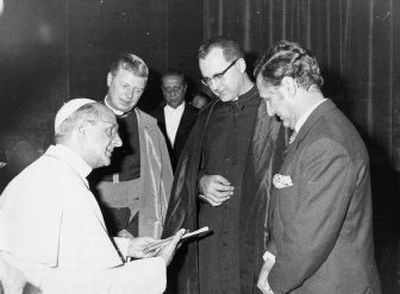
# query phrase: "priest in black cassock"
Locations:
[[223, 180]]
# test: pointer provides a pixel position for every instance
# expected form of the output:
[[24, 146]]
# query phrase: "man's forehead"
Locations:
[[123, 73], [172, 79], [265, 88], [263, 83], [215, 54], [213, 63]]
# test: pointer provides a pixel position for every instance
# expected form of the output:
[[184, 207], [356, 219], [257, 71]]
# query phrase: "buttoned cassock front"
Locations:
[[51, 228]]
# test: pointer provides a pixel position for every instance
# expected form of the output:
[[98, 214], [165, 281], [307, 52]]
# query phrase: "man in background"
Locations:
[[52, 233], [134, 189], [175, 117], [200, 100], [321, 208], [223, 177]]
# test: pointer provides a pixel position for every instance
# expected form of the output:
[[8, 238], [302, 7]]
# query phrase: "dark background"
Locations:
[[54, 50]]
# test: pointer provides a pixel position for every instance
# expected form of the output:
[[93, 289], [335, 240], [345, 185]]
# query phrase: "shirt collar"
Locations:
[[116, 111], [69, 156], [245, 98], [178, 109], [300, 122]]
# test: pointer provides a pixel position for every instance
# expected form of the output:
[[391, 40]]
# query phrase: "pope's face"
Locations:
[[99, 140], [124, 89]]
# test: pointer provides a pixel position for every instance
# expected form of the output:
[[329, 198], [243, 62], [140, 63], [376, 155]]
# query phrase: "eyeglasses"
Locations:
[[172, 90], [218, 77]]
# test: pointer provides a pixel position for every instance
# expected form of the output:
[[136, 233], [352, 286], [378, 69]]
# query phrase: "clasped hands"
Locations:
[[139, 247], [215, 189]]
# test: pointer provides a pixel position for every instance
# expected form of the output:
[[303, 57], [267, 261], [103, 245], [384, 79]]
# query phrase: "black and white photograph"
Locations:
[[199, 146]]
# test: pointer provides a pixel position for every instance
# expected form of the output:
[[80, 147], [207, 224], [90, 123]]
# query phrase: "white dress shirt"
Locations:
[[116, 111], [302, 119], [172, 119]]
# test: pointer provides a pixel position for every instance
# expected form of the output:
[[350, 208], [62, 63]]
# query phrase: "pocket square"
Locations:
[[281, 181]]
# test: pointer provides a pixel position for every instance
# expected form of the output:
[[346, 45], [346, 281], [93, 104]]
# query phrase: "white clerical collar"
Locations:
[[116, 111], [300, 122], [69, 156], [180, 108]]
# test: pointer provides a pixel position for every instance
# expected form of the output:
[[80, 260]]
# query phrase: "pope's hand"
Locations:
[[215, 189], [125, 234], [138, 245], [167, 252]]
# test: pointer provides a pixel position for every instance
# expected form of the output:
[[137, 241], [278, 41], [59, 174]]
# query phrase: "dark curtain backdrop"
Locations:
[[53, 50], [357, 44]]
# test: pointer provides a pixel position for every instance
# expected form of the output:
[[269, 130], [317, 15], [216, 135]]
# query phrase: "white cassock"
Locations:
[[52, 229]]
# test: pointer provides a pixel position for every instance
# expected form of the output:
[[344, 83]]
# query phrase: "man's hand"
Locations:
[[215, 189], [125, 234], [168, 251], [137, 245], [262, 283]]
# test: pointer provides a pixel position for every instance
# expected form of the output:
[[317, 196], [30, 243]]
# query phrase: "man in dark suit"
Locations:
[[175, 117], [321, 238]]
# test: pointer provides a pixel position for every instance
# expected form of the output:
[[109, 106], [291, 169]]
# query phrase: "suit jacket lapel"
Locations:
[[289, 153], [185, 119], [312, 119], [161, 117]]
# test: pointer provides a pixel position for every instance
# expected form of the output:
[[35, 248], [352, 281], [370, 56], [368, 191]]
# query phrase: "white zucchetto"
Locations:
[[69, 108]]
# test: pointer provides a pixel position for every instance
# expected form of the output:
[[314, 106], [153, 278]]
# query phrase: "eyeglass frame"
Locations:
[[218, 76], [173, 90]]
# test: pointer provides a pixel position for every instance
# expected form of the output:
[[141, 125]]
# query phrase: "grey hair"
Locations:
[[289, 59]]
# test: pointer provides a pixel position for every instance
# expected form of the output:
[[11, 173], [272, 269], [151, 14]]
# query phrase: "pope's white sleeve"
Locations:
[[142, 276], [122, 245]]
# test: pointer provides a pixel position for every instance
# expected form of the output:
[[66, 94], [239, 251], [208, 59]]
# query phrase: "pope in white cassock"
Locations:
[[51, 227]]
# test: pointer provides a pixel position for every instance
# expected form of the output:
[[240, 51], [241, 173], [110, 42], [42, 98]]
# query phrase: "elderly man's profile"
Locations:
[[51, 227]]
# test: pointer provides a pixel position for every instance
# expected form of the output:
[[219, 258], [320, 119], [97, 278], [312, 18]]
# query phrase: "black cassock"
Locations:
[[237, 140]]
